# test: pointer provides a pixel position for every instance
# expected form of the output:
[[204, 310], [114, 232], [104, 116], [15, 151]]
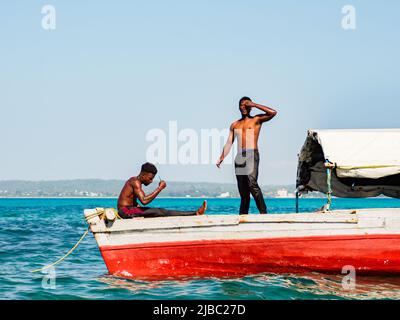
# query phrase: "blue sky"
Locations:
[[77, 101]]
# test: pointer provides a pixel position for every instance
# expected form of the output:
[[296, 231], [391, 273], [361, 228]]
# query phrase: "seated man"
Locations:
[[132, 191]]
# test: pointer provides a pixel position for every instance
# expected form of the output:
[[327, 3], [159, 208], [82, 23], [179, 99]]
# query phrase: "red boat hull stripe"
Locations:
[[369, 254]]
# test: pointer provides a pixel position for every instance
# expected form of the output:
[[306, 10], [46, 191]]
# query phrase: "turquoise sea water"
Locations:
[[36, 232]]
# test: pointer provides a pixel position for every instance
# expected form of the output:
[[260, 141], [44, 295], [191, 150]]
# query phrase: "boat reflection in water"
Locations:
[[365, 287], [263, 286]]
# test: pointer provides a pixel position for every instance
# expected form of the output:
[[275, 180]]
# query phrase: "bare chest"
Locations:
[[247, 127]]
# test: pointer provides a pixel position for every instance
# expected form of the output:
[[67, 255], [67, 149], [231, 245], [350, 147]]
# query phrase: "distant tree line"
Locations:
[[111, 188]]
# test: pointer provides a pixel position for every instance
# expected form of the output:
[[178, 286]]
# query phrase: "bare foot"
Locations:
[[202, 209]]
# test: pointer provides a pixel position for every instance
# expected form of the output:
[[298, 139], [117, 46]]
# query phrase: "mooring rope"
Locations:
[[65, 256], [100, 214], [329, 167]]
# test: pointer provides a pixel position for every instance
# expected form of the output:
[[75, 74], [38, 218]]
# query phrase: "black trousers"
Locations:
[[246, 170], [155, 212]]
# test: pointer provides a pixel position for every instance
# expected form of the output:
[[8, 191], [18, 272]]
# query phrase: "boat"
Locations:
[[342, 163]]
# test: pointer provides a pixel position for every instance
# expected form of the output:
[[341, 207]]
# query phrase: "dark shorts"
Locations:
[[129, 212]]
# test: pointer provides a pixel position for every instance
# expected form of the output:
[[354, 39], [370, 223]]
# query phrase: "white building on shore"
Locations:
[[224, 195]]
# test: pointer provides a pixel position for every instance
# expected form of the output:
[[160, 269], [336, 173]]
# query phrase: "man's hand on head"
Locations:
[[248, 103]]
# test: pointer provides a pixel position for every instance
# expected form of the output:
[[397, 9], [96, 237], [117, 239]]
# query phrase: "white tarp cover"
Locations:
[[367, 162], [361, 153]]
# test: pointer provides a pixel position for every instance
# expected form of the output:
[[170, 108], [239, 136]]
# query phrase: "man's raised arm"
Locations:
[[269, 112], [145, 200], [227, 147]]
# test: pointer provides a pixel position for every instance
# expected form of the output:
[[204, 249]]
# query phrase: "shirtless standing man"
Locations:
[[247, 131], [132, 191]]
